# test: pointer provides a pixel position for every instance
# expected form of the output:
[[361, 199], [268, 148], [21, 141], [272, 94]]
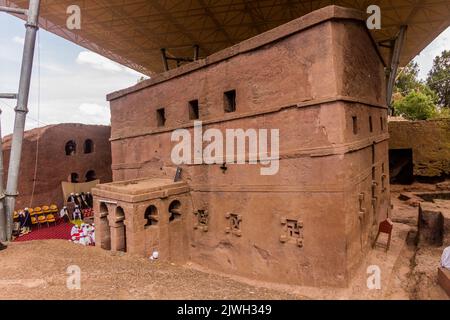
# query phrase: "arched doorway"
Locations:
[[88, 146], [121, 230], [105, 230], [177, 242], [74, 177], [90, 176], [71, 148], [174, 210], [150, 216]]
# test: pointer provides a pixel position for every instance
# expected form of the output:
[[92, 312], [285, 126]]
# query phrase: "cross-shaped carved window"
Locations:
[[234, 226], [293, 229], [202, 220]]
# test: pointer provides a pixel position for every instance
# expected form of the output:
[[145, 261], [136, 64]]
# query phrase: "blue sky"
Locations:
[[74, 82]]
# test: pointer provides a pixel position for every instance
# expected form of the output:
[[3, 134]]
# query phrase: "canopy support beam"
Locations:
[[394, 64], [21, 111]]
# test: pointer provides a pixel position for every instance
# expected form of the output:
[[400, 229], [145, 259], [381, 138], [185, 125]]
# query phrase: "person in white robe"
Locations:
[[445, 259]]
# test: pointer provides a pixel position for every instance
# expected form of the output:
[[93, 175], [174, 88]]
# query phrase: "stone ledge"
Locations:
[[444, 279], [307, 21]]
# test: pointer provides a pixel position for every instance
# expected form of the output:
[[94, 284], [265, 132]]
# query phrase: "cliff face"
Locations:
[[53, 165], [429, 141], [320, 82]]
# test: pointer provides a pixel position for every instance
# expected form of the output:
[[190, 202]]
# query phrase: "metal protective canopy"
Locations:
[[133, 32]]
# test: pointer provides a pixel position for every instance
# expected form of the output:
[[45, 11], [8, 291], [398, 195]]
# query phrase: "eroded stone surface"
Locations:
[[429, 141], [54, 166], [322, 85]]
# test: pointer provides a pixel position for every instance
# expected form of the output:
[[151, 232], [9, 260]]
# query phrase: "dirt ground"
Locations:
[[38, 270]]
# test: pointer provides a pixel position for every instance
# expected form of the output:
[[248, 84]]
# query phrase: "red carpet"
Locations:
[[60, 231]]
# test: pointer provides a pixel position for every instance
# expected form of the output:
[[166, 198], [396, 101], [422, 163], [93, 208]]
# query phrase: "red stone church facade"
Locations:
[[67, 152], [320, 81]]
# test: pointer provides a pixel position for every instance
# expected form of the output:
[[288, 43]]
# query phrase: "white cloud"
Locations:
[[99, 62], [95, 112], [426, 57], [19, 40], [92, 109]]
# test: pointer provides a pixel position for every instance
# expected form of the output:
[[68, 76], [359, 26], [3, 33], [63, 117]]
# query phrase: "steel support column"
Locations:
[[2, 192], [21, 113], [395, 62], [13, 10], [8, 96]]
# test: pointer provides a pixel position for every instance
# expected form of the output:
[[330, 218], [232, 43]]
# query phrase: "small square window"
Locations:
[[161, 117], [230, 101], [355, 124], [193, 110]]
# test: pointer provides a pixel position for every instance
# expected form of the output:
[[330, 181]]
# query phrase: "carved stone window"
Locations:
[[293, 231], [202, 220], [383, 178], [151, 216], [235, 221], [362, 209]]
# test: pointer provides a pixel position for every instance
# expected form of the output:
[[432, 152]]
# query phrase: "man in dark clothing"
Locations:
[[64, 214], [83, 201], [72, 198], [90, 200], [77, 214], [25, 221]]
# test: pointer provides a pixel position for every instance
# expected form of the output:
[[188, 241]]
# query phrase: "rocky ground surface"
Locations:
[[38, 270], [421, 280]]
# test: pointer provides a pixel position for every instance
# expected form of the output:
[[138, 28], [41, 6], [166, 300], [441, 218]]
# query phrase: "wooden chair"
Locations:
[[53, 208], [51, 218], [34, 221], [42, 219], [385, 226]]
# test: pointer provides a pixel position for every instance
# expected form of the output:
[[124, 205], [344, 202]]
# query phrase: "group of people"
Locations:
[[82, 205], [82, 200], [84, 234]]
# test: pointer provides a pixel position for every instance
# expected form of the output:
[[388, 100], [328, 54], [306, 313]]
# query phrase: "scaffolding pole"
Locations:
[[13, 10], [21, 113], [2, 191], [395, 62]]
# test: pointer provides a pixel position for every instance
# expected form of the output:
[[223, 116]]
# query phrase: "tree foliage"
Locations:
[[415, 99], [416, 105], [439, 78], [407, 79]]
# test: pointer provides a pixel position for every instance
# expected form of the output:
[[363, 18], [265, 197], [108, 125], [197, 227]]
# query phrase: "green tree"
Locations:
[[439, 78], [443, 113], [416, 105], [407, 79]]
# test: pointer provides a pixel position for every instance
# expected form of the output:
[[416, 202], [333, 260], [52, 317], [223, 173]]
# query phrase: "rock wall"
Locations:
[[54, 166], [320, 81], [430, 144]]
